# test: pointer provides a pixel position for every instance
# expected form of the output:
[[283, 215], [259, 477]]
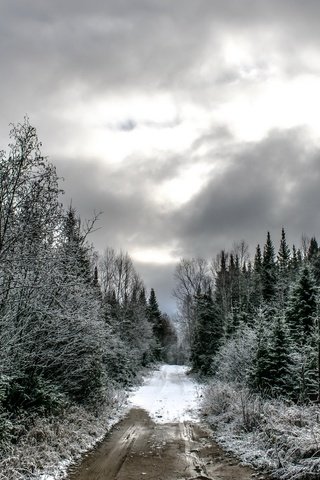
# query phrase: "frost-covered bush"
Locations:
[[274, 435], [234, 359], [45, 446], [217, 398], [32, 393], [5, 424], [225, 401]]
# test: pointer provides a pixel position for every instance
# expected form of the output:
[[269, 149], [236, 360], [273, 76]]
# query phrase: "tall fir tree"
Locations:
[[222, 287], [76, 251], [155, 319], [268, 271], [260, 370], [283, 263], [207, 333], [313, 249], [256, 292], [302, 307], [283, 254], [280, 361], [294, 263]]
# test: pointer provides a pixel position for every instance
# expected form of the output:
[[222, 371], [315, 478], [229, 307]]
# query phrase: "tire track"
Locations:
[[137, 448]]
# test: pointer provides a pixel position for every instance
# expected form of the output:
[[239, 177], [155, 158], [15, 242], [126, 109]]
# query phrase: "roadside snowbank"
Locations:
[[169, 395]]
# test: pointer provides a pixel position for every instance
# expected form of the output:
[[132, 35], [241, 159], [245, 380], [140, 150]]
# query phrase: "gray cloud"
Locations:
[[55, 54], [267, 185]]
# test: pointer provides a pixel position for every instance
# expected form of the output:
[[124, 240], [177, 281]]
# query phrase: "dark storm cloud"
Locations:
[[54, 54], [266, 185]]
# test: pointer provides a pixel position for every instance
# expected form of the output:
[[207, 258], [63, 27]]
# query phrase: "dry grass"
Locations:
[[273, 435], [47, 446]]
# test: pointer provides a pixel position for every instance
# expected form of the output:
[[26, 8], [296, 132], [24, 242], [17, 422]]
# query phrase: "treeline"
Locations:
[[255, 322], [72, 323]]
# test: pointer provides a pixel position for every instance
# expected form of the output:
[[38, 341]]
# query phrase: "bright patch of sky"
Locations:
[[154, 256]]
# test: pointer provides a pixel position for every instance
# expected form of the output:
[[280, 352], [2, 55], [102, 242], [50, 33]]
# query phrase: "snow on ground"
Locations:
[[169, 395]]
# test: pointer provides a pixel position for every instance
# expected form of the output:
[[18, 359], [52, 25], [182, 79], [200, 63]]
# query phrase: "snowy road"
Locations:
[[169, 395], [161, 438]]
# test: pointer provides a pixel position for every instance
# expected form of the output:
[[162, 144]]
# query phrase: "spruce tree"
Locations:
[[207, 333], [258, 260], [268, 271], [222, 287], [256, 293], [283, 262], [76, 251], [281, 381], [235, 293], [283, 254], [302, 307], [272, 366], [313, 249], [154, 317], [294, 263], [260, 375]]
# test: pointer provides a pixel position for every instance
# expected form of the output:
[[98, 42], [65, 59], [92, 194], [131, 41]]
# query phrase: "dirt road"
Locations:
[[144, 445]]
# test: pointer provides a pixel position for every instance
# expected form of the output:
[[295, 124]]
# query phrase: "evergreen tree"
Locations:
[[258, 260], [312, 250], [268, 271], [283, 254], [142, 297], [256, 292], [76, 252], [222, 288], [283, 270], [207, 333], [294, 263], [302, 307], [234, 278], [154, 317], [272, 366], [299, 257], [260, 377], [280, 361]]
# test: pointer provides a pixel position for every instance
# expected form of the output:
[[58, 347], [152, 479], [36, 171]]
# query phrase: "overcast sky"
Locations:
[[190, 123]]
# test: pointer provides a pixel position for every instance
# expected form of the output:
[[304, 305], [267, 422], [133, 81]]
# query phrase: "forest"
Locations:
[[270, 303], [252, 332], [76, 327]]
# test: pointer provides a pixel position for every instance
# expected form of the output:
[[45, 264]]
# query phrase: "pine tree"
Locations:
[[280, 362], [294, 263], [256, 293], [222, 287], [302, 307], [313, 249], [299, 257], [260, 375], [154, 317], [142, 297], [258, 260], [272, 367], [207, 333], [76, 252], [268, 271], [234, 278], [283, 254], [283, 270]]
